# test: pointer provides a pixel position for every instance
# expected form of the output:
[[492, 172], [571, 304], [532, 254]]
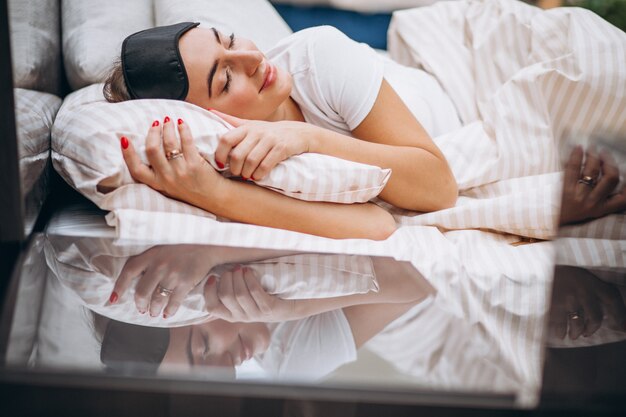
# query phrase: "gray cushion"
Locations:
[[35, 44]]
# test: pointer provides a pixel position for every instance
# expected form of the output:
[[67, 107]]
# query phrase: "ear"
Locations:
[[235, 121]]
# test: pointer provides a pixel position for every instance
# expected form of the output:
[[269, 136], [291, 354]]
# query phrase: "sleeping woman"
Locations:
[[316, 91]]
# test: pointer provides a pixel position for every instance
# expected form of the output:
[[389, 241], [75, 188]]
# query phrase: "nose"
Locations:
[[248, 61]]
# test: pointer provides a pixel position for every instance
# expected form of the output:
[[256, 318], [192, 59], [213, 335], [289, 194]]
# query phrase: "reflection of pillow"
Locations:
[[90, 266], [87, 153], [256, 20], [93, 31]]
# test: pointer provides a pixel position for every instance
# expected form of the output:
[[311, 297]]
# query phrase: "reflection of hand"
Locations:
[[175, 269], [187, 177], [238, 297], [254, 148], [589, 190], [581, 302]]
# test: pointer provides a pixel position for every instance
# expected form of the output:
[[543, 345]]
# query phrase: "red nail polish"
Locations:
[[124, 142], [165, 315], [252, 178], [113, 298], [210, 109], [219, 164], [166, 120], [210, 281], [180, 121], [244, 178], [155, 123]]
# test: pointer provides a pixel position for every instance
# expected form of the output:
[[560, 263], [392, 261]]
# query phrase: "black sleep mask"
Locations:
[[127, 347], [152, 64]]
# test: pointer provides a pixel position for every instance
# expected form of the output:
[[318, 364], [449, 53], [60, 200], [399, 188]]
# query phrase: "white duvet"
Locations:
[[527, 83]]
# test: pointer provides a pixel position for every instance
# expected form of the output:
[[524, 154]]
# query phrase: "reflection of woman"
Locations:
[[288, 338], [316, 91]]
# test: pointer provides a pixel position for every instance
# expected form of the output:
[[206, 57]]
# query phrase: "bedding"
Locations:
[[528, 85], [34, 114], [87, 153], [90, 266], [93, 32]]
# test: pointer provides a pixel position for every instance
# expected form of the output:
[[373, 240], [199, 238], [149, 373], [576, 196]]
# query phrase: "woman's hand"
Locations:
[[253, 148], [176, 168], [237, 296], [589, 189], [167, 275], [581, 302]]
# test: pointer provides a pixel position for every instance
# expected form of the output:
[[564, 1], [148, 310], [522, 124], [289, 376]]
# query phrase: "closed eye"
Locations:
[[231, 44]]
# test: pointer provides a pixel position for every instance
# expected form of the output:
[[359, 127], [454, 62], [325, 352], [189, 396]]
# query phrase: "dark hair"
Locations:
[[114, 89]]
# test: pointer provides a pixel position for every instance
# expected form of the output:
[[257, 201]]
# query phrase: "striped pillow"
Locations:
[[87, 153]]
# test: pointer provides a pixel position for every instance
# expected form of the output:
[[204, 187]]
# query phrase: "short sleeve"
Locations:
[[349, 74], [310, 348]]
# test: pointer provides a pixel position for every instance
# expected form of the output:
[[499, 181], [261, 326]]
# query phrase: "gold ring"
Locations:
[[575, 315], [164, 292], [176, 153], [587, 180]]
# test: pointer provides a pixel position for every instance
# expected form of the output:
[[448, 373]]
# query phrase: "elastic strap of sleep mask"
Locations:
[[127, 347], [152, 64]]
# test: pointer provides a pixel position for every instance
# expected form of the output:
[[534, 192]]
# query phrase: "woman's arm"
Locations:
[[388, 137], [238, 296], [391, 137], [193, 180]]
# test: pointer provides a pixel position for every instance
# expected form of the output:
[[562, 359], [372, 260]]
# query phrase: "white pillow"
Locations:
[[89, 267], [93, 32], [256, 20], [35, 44], [87, 153]]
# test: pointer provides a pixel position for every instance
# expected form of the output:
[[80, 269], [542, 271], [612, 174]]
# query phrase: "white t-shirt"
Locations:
[[336, 81], [310, 348]]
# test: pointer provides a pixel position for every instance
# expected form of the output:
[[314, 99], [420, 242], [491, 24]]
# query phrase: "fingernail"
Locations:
[[166, 120], [155, 123], [210, 109], [244, 178], [142, 311], [113, 298], [219, 164], [252, 178], [124, 142], [180, 121], [237, 268], [165, 315], [210, 281]]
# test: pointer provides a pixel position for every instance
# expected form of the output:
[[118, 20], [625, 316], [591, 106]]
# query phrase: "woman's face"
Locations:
[[215, 343], [230, 74]]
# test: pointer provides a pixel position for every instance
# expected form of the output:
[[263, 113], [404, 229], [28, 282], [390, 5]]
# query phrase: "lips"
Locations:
[[269, 76]]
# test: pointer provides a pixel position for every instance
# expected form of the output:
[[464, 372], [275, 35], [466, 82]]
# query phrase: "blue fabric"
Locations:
[[362, 27]]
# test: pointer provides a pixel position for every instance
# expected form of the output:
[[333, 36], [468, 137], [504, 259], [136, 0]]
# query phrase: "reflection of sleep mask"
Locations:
[[153, 67], [127, 347]]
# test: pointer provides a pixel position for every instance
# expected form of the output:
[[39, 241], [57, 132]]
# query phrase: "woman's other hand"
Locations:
[[175, 168], [581, 303], [589, 188], [167, 274], [237, 296], [253, 148]]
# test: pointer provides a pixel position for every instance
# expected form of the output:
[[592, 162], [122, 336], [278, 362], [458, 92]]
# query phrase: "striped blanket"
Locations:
[[527, 84]]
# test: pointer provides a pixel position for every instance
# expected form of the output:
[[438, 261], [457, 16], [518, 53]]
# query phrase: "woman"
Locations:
[[305, 338], [316, 91]]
